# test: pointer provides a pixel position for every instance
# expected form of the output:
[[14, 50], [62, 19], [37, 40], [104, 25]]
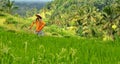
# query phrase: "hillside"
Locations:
[[94, 18], [13, 23], [16, 23]]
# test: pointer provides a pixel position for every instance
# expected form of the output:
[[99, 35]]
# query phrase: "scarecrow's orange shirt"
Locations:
[[39, 25]]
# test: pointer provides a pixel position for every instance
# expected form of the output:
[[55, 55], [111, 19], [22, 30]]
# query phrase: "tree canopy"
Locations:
[[91, 18]]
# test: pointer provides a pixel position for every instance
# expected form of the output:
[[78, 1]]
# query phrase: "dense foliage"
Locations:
[[7, 6], [93, 18]]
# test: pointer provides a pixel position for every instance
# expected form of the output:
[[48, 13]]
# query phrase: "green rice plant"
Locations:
[[24, 48], [6, 57]]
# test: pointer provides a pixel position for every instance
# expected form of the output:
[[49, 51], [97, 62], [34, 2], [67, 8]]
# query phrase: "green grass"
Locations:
[[23, 48]]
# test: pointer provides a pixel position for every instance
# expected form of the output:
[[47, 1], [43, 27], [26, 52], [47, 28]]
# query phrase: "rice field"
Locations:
[[23, 48]]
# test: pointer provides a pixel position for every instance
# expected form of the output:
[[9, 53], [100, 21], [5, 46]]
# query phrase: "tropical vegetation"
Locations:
[[76, 32]]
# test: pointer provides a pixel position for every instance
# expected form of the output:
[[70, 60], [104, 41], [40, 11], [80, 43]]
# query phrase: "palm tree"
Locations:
[[2, 2], [9, 5]]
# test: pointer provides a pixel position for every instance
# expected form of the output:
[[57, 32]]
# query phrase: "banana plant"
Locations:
[[111, 15]]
